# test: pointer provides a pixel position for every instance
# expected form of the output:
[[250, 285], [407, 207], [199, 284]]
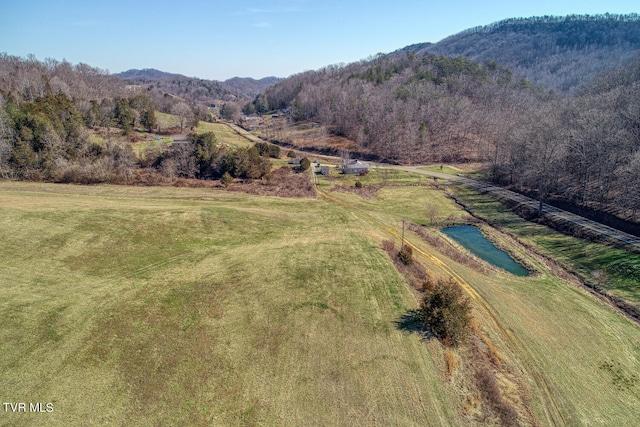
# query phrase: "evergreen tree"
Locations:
[[124, 116]]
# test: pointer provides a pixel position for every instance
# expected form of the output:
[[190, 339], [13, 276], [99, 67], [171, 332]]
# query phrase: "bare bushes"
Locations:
[[81, 173], [413, 272], [406, 255], [486, 383], [283, 182]]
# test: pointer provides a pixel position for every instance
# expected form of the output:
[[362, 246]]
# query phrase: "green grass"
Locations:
[[166, 120], [177, 306], [444, 169], [224, 134], [164, 306], [406, 195], [616, 270], [572, 349], [376, 176], [140, 147]]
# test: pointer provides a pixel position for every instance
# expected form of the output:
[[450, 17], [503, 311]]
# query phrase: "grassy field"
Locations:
[[224, 134], [164, 306], [451, 170], [177, 306], [616, 270], [580, 361]]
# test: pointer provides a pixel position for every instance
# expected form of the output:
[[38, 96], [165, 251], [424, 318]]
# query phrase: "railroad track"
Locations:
[[556, 214]]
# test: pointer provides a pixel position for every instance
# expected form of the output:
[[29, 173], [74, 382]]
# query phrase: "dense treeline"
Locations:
[[405, 107], [46, 111], [583, 149], [65, 123], [409, 108], [202, 157], [557, 52], [196, 89]]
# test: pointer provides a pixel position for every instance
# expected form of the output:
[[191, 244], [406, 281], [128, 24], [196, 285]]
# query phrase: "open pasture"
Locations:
[[147, 306], [178, 306]]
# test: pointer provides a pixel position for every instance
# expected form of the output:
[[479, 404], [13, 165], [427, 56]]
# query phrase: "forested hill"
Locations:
[[424, 108], [196, 89], [250, 87], [559, 53], [409, 107]]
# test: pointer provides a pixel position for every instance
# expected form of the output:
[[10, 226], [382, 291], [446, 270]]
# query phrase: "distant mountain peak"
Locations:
[[204, 90], [150, 73]]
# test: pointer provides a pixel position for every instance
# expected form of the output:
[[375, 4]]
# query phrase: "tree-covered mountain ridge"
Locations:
[[582, 147], [197, 89], [560, 53]]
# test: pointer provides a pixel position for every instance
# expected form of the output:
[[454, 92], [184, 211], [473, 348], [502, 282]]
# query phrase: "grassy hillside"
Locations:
[[564, 348], [613, 269], [145, 140], [172, 306]]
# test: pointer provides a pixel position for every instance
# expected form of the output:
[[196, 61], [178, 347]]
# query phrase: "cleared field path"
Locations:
[[558, 343]]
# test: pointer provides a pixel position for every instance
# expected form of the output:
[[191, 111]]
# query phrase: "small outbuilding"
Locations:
[[355, 167]]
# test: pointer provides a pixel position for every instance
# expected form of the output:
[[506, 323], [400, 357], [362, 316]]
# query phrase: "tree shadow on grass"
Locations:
[[410, 322]]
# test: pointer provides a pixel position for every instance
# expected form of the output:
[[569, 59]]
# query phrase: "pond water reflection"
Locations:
[[473, 239]]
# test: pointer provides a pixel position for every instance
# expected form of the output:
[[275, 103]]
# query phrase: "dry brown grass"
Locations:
[[491, 394], [492, 350], [368, 192], [451, 360], [414, 273], [283, 182]]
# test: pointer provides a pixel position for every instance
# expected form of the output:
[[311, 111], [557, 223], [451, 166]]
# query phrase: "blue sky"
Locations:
[[222, 39]]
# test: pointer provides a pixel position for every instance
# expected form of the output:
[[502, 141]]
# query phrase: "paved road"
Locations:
[[555, 213], [501, 193]]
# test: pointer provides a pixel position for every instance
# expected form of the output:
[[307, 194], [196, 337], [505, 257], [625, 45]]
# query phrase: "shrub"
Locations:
[[358, 184], [268, 150], [305, 164], [406, 255], [414, 273], [388, 246], [446, 312], [226, 179]]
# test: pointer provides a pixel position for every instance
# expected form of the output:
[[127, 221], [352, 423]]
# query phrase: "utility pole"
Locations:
[[402, 246]]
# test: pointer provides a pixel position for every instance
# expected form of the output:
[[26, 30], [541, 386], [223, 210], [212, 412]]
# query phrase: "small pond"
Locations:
[[473, 239]]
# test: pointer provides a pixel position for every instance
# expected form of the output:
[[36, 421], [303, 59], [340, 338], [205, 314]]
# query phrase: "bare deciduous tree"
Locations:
[[431, 211], [184, 113]]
